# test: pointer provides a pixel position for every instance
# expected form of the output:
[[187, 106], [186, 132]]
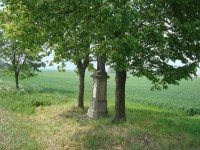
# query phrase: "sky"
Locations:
[[71, 66]]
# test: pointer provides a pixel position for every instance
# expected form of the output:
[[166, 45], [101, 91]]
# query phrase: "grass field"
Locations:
[[43, 115]]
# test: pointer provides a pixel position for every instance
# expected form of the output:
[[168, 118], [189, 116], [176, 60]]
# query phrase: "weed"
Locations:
[[38, 103]]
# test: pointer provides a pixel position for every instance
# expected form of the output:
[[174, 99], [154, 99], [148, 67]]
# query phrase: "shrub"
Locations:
[[38, 103]]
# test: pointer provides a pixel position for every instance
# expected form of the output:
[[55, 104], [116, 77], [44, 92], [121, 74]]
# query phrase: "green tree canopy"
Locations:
[[137, 35], [18, 50], [65, 32], [144, 36]]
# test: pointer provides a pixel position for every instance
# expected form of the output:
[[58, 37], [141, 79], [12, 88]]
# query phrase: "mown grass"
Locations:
[[43, 115]]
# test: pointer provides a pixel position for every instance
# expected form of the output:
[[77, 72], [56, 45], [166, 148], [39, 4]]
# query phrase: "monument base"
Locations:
[[98, 105], [97, 109]]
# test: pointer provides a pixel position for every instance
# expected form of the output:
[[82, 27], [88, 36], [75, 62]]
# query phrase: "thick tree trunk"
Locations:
[[81, 88], [17, 80], [120, 80]]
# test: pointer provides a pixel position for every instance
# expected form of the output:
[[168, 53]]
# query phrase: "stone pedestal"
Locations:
[[98, 105]]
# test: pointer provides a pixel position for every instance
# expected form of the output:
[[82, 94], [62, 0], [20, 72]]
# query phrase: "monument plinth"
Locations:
[[98, 105]]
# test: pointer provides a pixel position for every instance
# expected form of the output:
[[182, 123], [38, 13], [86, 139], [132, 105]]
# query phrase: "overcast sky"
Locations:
[[71, 66]]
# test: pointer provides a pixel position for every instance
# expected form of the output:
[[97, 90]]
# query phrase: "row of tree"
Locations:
[[139, 36]]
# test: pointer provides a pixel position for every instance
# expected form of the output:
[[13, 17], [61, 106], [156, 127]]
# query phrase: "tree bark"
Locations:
[[81, 66], [120, 80], [17, 80], [81, 88]]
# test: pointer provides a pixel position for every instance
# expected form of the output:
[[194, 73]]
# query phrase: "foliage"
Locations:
[[91, 67], [144, 36], [18, 51], [64, 31], [67, 34], [140, 36]]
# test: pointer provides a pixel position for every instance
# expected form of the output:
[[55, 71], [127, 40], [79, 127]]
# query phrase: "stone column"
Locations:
[[98, 105]]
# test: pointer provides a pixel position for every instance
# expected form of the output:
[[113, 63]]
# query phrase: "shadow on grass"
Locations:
[[165, 120], [60, 91], [75, 113], [26, 102], [146, 128]]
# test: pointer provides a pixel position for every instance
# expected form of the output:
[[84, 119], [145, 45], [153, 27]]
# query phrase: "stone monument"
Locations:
[[98, 105]]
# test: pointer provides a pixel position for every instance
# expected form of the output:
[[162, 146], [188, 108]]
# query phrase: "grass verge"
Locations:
[[67, 127], [15, 133], [45, 116]]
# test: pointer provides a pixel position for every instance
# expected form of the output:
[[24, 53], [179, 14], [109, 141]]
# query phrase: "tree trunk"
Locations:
[[81, 88], [120, 80], [81, 66], [17, 80]]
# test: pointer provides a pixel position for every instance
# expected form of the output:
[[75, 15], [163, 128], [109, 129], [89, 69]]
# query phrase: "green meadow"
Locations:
[[43, 115]]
